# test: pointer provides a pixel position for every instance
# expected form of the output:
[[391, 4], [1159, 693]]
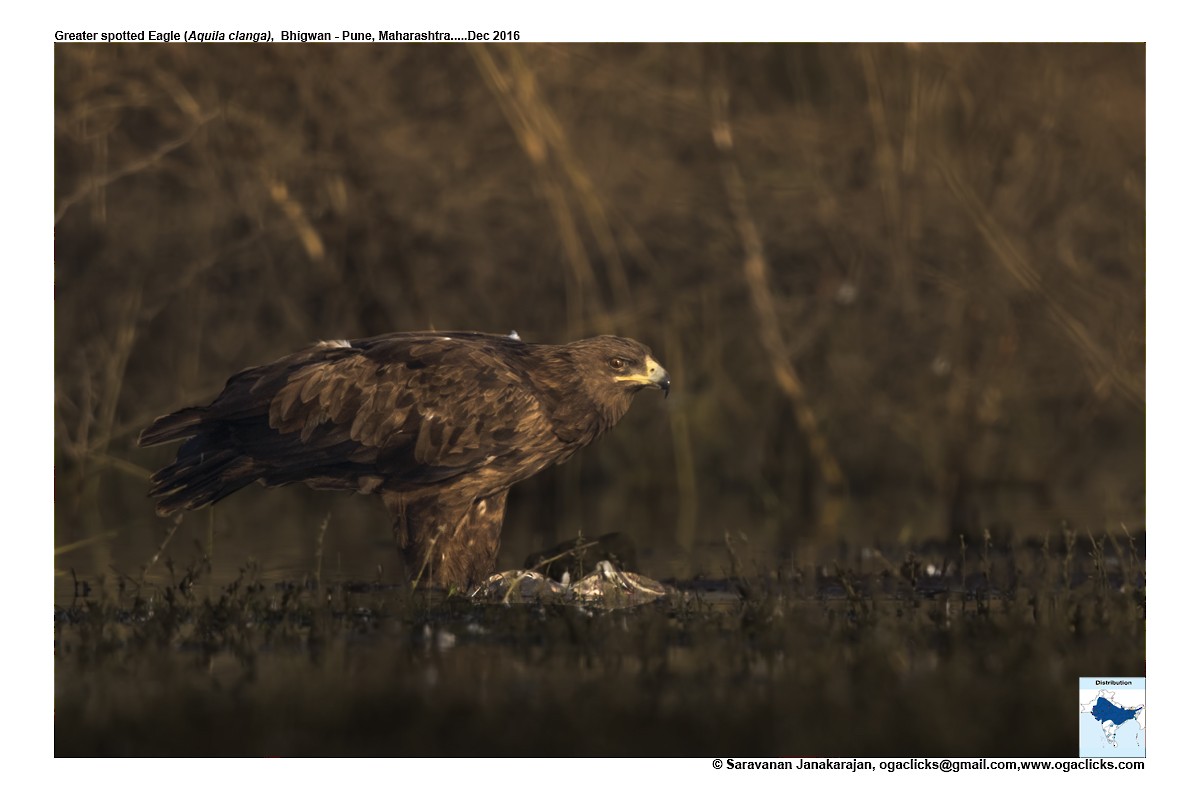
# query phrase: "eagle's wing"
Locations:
[[410, 410], [437, 406]]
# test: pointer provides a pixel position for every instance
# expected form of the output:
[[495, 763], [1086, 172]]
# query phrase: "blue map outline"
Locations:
[[1105, 711], [1106, 706]]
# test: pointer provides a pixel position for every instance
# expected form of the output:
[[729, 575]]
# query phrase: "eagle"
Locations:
[[439, 425]]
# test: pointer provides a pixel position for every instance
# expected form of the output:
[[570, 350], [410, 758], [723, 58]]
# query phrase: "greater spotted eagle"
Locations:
[[440, 425]]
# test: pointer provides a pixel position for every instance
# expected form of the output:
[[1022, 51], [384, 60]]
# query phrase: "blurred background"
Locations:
[[900, 289]]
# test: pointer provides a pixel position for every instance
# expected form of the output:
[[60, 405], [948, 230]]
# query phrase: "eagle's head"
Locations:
[[613, 369], [631, 366]]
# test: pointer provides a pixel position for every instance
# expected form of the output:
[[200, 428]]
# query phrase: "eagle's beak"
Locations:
[[654, 376], [658, 376]]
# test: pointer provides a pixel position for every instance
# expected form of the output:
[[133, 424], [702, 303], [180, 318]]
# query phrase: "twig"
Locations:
[[574, 551], [99, 537], [1028, 278], [770, 330], [167, 540], [94, 184], [321, 544]]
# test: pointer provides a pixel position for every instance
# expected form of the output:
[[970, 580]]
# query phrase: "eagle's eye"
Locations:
[[618, 363]]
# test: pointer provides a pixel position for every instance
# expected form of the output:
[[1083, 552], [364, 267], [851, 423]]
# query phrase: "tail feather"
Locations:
[[215, 458], [180, 425], [204, 477]]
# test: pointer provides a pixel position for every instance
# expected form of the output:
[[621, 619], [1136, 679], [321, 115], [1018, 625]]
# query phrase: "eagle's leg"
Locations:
[[449, 545], [470, 554]]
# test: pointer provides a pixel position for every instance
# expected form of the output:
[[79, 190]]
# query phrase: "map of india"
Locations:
[[1112, 717]]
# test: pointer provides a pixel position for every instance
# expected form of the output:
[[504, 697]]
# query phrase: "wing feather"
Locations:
[[312, 386], [427, 409]]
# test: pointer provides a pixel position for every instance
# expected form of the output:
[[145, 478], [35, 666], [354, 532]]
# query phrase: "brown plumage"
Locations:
[[439, 424]]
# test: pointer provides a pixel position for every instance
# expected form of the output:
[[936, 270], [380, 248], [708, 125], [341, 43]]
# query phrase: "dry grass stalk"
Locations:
[[769, 328]]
